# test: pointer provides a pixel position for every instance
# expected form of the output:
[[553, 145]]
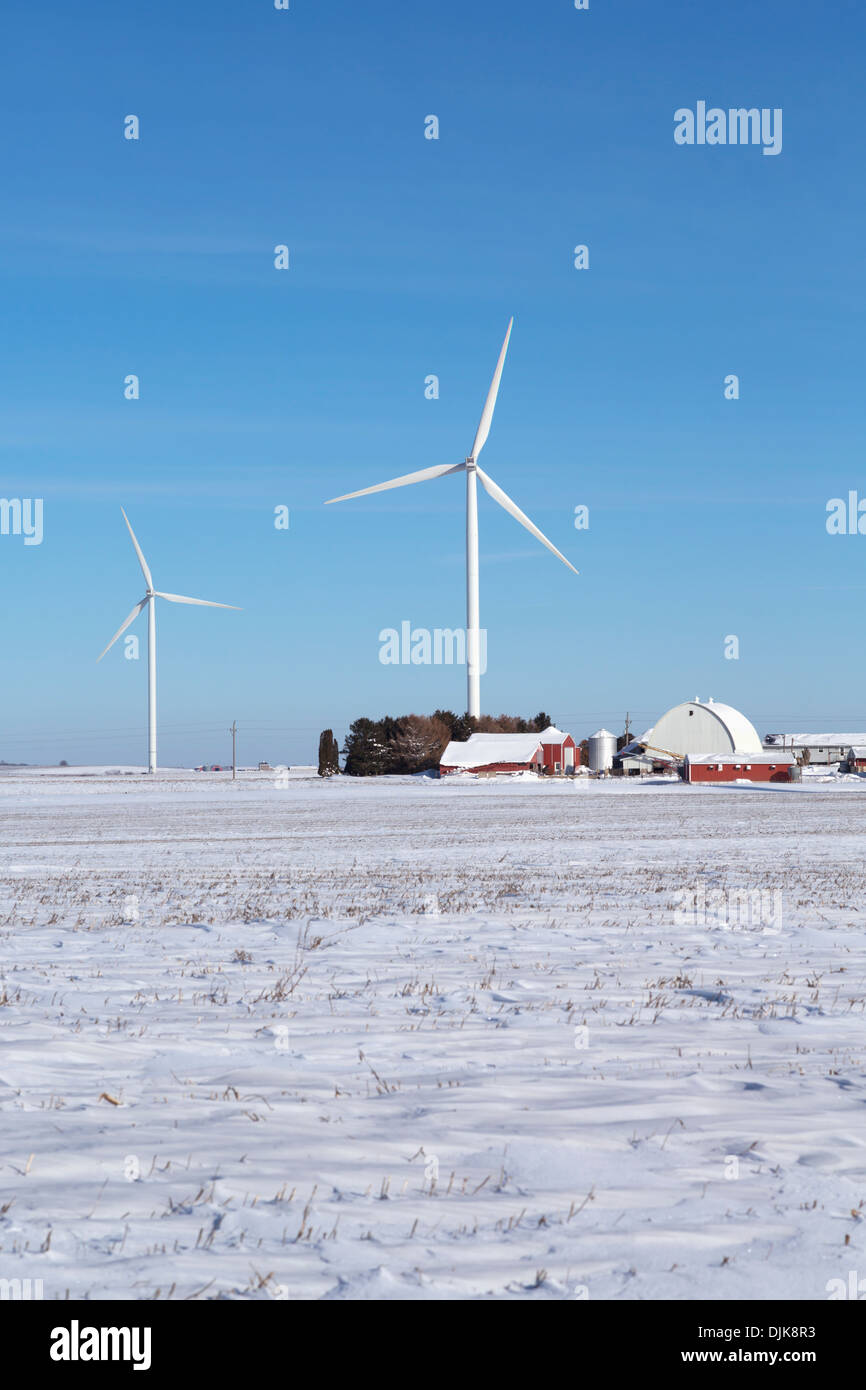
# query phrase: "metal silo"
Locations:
[[602, 747]]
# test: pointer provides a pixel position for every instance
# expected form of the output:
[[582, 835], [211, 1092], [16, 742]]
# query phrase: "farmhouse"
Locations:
[[551, 752], [856, 760], [741, 767]]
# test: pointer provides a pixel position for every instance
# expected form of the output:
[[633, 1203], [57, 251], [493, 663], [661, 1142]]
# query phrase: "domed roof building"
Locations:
[[701, 727]]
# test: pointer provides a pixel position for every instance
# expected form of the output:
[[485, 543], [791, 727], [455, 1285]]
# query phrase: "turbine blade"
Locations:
[[421, 476], [513, 510], [202, 602], [490, 404], [134, 614], [141, 560]]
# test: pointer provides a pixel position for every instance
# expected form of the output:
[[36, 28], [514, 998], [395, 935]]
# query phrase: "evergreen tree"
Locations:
[[329, 754], [459, 726], [365, 749]]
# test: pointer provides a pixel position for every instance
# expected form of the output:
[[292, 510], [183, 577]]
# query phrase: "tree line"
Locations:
[[413, 742]]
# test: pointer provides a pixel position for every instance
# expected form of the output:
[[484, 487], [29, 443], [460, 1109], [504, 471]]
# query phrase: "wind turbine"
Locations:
[[149, 602], [472, 470]]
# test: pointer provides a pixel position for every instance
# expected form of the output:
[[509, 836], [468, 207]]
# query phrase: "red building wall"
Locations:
[[758, 772], [552, 753]]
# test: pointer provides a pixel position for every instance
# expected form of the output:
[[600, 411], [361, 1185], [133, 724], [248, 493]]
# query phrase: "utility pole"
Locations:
[[234, 732], [627, 728]]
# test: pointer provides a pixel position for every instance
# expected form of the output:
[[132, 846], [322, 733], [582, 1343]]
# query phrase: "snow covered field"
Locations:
[[423, 1039]]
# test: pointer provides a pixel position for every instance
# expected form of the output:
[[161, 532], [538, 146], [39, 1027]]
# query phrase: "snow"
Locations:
[[816, 740], [479, 750], [409, 1038]]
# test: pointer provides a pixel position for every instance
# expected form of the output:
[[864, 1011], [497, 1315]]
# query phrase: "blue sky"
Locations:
[[260, 387]]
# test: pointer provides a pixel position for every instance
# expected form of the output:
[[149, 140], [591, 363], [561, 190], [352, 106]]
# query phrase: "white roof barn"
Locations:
[[547, 751], [697, 727], [486, 750]]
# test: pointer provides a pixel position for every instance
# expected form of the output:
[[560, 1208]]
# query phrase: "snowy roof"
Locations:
[[781, 758], [630, 750], [739, 729], [817, 740], [635, 751], [481, 749], [857, 750], [551, 735]]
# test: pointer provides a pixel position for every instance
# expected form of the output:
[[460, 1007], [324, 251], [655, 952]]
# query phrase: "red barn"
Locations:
[[550, 752], [493, 753], [558, 751], [741, 767]]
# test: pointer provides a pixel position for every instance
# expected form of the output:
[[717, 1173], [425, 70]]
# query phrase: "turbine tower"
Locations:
[[473, 472], [149, 602]]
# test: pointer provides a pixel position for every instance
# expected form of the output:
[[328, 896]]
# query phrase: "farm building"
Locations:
[[856, 759], [558, 751], [602, 750], [551, 752], [702, 727], [741, 767], [696, 727], [816, 748]]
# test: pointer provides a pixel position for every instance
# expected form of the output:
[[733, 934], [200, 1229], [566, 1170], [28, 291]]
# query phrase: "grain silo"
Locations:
[[602, 747]]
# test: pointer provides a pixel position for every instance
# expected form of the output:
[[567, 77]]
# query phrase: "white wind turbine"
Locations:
[[473, 471], [149, 602]]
